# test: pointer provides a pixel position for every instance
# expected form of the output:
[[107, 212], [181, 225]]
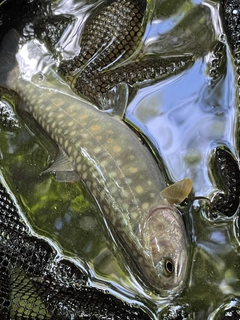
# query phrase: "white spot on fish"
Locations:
[[139, 189], [65, 132], [129, 180], [119, 162], [73, 133], [113, 174], [116, 149], [94, 184], [84, 175], [149, 182], [95, 128], [106, 209], [98, 150], [70, 123], [102, 194], [125, 206], [145, 205], [133, 169], [134, 215], [125, 194], [104, 163], [54, 124]]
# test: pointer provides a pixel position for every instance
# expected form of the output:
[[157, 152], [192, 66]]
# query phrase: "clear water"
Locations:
[[185, 117]]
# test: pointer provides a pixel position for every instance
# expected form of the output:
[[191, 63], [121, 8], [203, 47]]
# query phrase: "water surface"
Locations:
[[184, 117]]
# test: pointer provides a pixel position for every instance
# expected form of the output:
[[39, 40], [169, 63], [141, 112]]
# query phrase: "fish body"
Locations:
[[118, 169]]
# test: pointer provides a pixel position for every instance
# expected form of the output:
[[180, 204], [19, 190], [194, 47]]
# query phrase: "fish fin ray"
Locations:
[[177, 192], [63, 169]]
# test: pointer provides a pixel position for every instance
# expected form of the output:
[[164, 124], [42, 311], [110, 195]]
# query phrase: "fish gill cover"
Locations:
[[36, 284]]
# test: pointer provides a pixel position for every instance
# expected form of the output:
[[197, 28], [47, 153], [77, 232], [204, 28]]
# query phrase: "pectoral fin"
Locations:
[[63, 169], [177, 192]]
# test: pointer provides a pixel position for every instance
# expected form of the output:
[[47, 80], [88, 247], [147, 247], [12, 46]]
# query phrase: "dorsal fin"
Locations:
[[177, 192]]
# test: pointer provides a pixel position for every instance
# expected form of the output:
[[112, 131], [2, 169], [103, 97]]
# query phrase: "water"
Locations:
[[185, 117]]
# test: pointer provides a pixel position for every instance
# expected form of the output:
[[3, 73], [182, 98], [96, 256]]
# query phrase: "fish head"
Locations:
[[165, 239]]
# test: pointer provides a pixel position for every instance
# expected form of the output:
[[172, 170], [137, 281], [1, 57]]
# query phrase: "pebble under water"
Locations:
[[187, 118]]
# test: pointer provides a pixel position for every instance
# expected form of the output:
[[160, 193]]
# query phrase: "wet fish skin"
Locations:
[[118, 169]]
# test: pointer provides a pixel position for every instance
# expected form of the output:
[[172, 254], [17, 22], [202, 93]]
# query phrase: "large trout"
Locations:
[[118, 169]]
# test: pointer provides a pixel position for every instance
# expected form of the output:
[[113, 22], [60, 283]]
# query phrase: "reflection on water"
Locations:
[[185, 118], [188, 119]]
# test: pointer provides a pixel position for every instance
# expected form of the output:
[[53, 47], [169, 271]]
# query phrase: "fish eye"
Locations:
[[168, 267]]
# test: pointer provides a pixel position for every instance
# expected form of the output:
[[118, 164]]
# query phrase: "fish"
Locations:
[[111, 160]]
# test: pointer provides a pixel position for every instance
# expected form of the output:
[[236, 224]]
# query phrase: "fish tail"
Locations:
[[8, 64]]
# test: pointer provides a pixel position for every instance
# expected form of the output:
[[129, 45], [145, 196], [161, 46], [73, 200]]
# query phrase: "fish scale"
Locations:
[[118, 169]]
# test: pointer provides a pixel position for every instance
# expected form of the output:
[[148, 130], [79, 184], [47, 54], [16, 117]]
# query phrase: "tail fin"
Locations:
[[8, 50]]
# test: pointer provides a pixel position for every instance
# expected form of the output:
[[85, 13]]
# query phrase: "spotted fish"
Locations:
[[113, 163]]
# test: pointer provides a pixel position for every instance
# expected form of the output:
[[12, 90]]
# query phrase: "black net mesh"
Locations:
[[36, 285], [230, 11]]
